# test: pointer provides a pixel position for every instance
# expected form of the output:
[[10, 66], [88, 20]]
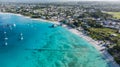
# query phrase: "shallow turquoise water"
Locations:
[[43, 46]]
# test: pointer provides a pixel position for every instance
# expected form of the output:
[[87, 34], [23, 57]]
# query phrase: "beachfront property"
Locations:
[[59, 35], [111, 24]]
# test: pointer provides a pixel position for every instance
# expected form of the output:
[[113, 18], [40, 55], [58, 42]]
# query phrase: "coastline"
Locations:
[[54, 22], [94, 43]]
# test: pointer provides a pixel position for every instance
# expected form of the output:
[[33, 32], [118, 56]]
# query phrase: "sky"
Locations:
[[50, 0]]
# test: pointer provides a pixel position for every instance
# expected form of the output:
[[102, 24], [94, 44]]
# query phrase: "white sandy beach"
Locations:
[[94, 43], [55, 22], [105, 54]]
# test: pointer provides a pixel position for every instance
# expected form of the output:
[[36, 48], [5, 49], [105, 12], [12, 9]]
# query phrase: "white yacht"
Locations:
[[5, 32], [6, 43], [21, 34], [6, 38], [14, 25], [21, 38]]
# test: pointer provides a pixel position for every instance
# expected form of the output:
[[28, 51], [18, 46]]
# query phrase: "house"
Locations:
[[119, 31], [113, 35]]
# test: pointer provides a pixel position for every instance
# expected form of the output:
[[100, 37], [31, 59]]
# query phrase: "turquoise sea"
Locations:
[[43, 46]]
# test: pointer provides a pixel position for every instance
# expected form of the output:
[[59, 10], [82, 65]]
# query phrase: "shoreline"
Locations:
[[39, 19], [94, 43], [108, 58]]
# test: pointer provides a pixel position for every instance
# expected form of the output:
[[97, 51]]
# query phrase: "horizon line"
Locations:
[[52, 1]]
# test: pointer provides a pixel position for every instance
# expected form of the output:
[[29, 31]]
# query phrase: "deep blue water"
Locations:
[[43, 46]]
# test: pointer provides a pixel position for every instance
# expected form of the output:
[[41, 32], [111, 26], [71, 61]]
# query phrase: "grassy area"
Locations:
[[115, 14], [104, 34]]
